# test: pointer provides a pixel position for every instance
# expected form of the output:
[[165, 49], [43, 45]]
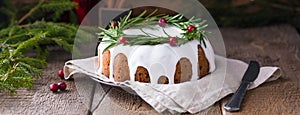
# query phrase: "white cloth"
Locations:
[[188, 96]]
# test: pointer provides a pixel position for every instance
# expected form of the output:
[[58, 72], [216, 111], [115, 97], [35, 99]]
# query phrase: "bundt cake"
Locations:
[[148, 52]]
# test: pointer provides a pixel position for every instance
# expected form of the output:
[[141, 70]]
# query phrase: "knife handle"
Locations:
[[235, 102]]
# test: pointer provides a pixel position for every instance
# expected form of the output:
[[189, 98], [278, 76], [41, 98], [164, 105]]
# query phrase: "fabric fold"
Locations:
[[191, 96]]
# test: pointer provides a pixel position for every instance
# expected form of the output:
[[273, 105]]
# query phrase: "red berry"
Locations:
[[53, 87], [62, 85], [191, 28], [61, 73], [123, 40], [114, 24], [173, 41], [162, 22]]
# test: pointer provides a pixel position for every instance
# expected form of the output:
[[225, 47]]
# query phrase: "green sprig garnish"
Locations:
[[193, 29]]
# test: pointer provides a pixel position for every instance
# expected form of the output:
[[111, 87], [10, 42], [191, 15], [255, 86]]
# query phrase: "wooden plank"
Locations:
[[213, 110], [268, 49], [39, 99], [118, 102], [275, 46], [91, 91]]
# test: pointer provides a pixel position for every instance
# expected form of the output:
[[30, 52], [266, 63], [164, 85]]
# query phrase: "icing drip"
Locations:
[[159, 60]]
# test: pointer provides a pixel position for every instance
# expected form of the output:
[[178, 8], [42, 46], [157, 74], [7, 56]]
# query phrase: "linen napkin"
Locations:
[[191, 96]]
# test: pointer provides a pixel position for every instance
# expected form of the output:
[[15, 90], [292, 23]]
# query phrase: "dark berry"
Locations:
[[114, 24], [61, 73], [173, 41], [123, 40], [191, 28], [53, 87], [162, 22], [62, 86]]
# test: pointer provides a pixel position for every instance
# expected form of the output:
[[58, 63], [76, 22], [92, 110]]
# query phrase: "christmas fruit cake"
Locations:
[[155, 49]]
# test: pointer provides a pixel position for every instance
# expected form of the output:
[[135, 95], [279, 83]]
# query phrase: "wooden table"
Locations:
[[273, 45]]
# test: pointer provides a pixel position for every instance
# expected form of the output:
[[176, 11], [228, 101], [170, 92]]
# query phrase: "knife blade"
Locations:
[[250, 75]]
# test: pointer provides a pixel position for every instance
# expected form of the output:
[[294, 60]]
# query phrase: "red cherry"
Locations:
[[162, 22], [61, 73], [114, 24], [53, 87], [173, 41], [191, 28], [62, 85], [123, 40]]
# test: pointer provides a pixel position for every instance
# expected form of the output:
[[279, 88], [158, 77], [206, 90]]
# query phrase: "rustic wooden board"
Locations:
[[275, 45], [39, 99], [118, 102]]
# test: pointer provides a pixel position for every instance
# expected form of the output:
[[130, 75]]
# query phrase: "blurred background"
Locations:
[[237, 13]]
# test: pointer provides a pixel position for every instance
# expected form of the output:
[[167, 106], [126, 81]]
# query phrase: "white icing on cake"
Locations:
[[161, 59]]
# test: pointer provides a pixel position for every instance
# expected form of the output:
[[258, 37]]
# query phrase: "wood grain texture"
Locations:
[[118, 102], [271, 46], [39, 99]]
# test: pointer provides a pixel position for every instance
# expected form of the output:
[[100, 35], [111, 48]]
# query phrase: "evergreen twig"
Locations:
[[18, 70], [142, 21], [31, 11]]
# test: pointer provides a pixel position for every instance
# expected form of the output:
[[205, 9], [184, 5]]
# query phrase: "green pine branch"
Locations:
[[29, 33]]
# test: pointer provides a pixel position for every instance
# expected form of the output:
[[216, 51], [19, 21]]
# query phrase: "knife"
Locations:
[[250, 75]]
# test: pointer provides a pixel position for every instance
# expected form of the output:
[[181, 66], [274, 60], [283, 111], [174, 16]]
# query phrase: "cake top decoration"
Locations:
[[192, 29]]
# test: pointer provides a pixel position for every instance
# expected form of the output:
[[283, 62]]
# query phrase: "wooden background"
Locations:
[[277, 45]]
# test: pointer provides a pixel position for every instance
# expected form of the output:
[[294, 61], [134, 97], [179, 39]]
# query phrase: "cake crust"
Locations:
[[203, 64], [121, 69], [106, 63], [183, 71], [142, 75], [163, 80]]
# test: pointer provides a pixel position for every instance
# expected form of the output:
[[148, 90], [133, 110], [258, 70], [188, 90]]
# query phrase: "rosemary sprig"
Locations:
[[115, 31]]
